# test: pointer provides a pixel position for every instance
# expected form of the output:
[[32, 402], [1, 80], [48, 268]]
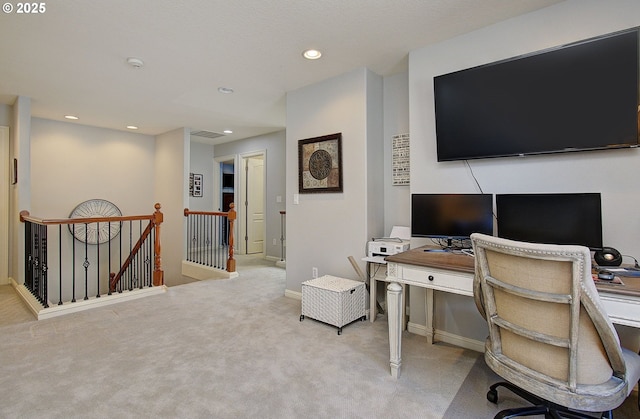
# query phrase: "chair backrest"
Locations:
[[546, 322]]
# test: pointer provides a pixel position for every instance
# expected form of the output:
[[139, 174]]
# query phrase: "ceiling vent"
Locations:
[[207, 134]]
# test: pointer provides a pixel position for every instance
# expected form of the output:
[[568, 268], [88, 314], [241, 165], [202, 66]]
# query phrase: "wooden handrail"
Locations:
[[25, 216]]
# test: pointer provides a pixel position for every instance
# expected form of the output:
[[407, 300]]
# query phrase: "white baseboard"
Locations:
[[418, 329], [55, 310], [201, 272], [293, 294]]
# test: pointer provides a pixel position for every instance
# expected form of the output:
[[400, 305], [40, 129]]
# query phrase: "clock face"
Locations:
[[95, 233]]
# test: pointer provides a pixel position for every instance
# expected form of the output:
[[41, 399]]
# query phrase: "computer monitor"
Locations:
[[556, 218], [451, 216]]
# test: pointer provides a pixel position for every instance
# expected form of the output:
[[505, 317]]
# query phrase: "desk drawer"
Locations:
[[449, 281], [621, 309]]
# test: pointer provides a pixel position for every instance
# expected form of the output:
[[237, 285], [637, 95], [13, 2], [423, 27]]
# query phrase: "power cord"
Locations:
[[636, 266]]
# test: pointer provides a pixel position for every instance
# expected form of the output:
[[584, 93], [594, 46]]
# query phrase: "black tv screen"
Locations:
[[581, 96], [451, 216], [571, 218]]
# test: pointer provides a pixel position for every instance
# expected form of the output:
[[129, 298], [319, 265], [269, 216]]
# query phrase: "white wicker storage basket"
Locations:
[[333, 300]]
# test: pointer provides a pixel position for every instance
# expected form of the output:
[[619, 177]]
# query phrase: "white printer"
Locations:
[[386, 246], [397, 242]]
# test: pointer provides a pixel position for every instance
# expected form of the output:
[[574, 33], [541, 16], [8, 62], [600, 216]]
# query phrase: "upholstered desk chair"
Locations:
[[549, 336]]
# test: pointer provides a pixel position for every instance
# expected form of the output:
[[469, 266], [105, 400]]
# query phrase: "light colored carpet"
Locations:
[[224, 349]]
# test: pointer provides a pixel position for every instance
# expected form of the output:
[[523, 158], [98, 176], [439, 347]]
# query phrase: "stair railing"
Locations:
[[51, 271], [210, 238]]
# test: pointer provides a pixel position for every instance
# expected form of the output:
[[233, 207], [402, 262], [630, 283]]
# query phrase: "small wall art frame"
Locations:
[[195, 185], [320, 164]]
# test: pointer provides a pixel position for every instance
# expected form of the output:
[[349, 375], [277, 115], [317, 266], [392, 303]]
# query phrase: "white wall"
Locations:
[[274, 145], [5, 115], [201, 162], [612, 173], [20, 193], [396, 121], [72, 163], [172, 192], [325, 228]]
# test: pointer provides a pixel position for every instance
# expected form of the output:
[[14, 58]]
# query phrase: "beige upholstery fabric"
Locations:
[[548, 331]]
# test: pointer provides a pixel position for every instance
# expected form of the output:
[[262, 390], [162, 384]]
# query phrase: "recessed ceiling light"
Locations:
[[312, 54], [225, 90], [132, 127], [71, 117], [228, 131]]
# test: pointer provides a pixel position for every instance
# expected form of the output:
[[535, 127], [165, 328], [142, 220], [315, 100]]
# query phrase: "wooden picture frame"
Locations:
[[320, 164]]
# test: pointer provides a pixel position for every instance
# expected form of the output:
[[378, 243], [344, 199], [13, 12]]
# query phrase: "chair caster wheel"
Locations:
[[492, 396]]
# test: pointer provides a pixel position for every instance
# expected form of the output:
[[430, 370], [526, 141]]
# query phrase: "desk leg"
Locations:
[[429, 312], [373, 289], [394, 314]]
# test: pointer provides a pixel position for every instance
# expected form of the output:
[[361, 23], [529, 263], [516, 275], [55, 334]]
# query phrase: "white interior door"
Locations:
[[255, 204]]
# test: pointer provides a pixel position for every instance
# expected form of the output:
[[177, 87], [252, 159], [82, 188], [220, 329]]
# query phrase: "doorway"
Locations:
[[251, 211]]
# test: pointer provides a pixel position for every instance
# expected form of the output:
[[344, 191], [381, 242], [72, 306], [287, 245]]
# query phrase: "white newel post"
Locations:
[[394, 310]]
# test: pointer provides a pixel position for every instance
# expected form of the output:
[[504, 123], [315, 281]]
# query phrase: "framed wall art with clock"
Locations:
[[320, 164]]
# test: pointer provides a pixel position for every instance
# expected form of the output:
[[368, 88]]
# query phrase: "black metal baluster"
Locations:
[[27, 254], [226, 243], [150, 259], [73, 264], [201, 230], [44, 293], [143, 267], [98, 259], [153, 255], [140, 281], [109, 260], [60, 264], [120, 264], [216, 235], [208, 244], [198, 238], [192, 222], [86, 263], [189, 235], [130, 282]]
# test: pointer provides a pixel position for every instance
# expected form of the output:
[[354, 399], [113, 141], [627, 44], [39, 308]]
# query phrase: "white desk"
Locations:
[[453, 273]]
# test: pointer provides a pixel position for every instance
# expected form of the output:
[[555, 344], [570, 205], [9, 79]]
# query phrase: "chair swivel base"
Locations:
[[540, 406]]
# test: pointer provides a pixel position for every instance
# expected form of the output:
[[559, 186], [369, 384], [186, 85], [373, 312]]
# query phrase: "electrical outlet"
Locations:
[[314, 272], [274, 242]]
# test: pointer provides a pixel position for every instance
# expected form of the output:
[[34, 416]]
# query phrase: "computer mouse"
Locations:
[[605, 275]]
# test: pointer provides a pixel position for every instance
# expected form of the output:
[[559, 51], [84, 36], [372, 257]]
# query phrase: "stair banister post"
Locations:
[[158, 274], [231, 262]]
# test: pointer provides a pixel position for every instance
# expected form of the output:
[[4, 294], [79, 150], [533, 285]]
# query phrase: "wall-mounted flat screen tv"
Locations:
[[451, 216], [556, 218], [581, 96]]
